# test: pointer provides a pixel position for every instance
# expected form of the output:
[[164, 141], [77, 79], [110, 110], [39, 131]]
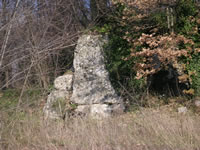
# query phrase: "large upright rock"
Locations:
[[87, 90], [92, 90]]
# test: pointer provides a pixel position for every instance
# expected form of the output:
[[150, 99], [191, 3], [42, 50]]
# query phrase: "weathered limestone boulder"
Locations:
[[92, 90], [58, 99], [87, 90]]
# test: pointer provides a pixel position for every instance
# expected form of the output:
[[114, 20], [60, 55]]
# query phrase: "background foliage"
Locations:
[[146, 40]]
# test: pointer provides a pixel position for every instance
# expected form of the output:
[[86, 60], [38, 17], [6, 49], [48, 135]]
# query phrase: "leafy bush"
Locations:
[[117, 50], [141, 45]]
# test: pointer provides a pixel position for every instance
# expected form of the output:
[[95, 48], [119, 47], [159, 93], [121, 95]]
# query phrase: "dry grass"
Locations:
[[148, 129]]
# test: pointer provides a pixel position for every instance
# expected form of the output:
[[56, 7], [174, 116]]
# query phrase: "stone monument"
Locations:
[[88, 88]]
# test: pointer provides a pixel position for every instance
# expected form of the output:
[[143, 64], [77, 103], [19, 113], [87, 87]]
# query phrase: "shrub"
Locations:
[[141, 45]]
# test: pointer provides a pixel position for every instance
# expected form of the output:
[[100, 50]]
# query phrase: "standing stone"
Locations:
[[92, 90], [87, 90]]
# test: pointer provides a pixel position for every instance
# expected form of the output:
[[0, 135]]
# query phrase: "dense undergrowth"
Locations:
[[151, 50]]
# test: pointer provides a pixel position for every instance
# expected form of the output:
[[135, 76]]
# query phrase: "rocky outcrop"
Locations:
[[92, 92], [58, 99]]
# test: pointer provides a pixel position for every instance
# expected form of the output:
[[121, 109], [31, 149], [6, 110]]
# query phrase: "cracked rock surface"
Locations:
[[91, 90], [59, 98]]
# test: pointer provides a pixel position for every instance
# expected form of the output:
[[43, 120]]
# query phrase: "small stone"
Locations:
[[182, 110], [197, 103], [64, 82]]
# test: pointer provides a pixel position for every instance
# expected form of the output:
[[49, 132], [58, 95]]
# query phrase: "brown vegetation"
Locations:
[[36, 35], [148, 129]]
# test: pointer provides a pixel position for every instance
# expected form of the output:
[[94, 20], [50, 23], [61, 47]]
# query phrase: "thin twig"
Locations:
[[8, 34]]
